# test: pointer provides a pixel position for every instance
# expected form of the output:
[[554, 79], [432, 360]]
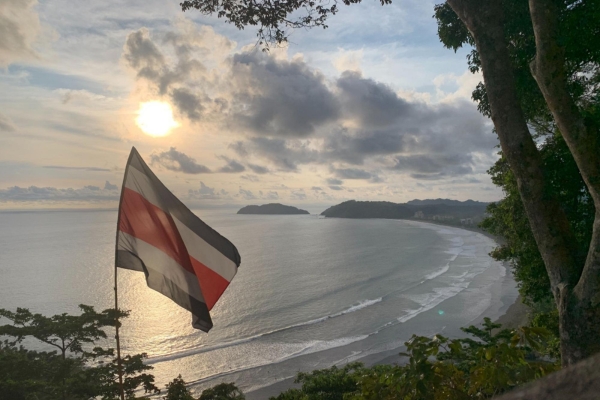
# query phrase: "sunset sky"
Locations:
[[373, 108]]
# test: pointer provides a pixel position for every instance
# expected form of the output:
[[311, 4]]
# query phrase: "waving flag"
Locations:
[[181, 256]]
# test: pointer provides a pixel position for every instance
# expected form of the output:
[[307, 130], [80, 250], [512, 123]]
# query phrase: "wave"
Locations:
[[313, 346], [438, 272], [204, 349], [432, 299]]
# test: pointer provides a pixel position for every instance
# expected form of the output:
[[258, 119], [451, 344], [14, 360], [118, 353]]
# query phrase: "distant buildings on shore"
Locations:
[[444, 218]]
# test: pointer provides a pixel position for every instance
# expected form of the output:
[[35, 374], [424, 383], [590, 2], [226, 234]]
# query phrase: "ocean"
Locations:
[[310, 293]]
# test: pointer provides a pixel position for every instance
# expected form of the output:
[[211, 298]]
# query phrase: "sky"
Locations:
[[372, 108]]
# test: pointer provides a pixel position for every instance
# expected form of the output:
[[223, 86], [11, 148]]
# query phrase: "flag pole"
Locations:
[[119, 365], [119, 362]]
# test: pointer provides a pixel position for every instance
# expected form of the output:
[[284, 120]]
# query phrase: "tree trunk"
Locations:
[[548, 222], [549, 71]]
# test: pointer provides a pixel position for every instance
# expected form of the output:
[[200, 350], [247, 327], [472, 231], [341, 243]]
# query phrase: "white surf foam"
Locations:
[[203, 349]]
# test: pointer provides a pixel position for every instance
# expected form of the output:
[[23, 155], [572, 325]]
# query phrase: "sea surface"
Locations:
[[310, 292]]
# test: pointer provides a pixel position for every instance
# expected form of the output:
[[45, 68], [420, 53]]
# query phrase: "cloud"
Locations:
[[251, 178], [336, 187], [90, 169], [188, 103], [351, 173], [258, 169], [277, 97], [6, 124], [290, 115], [372, 103], [19, 29], [316, 188], [334, 181], [246, 194], [174, 160], [171, 66], [232, 166], [298, 194], [52, 194], [110, 186], [434, 167], [389, 133], [206, 193], [285, 155]]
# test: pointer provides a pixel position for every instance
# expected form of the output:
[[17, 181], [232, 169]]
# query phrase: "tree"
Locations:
[[222, 391], [176, 390], [575, 283], [327, 384], [76, 369]]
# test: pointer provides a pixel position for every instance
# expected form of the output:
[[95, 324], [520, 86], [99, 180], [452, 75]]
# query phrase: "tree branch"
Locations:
[[549, 224], [548, 69]]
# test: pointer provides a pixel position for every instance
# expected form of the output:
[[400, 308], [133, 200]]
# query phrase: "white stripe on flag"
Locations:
[[205, 253], [140, 183], [160, 263]]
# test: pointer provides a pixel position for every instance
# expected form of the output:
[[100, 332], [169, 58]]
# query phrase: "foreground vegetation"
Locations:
[[489, 362]]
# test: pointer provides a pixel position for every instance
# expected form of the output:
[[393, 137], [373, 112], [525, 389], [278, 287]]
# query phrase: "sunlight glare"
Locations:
[[155, 118]]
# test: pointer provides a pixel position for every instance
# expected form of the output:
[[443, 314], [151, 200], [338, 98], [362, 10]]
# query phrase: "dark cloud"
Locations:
[[188, 103], [177, 161], [334, 181], [354, 147], [239, 147], [88, 193], [142, 55], [335, 187], [434, 166], [316, 188], [285, 155], [258, 169], [372, 103], [279, 97], [351, 173], [232, 166], [90, 169]]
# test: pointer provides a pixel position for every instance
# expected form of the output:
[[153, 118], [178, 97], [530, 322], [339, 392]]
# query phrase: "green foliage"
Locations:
[[176, 390], [327, 384], [508, 220], [467, 368], [222, 391], [76, 369], [486, 364], [271, 18], [579, 32]]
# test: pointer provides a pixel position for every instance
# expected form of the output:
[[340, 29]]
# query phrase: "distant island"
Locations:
[[453, 212], [272, 209]]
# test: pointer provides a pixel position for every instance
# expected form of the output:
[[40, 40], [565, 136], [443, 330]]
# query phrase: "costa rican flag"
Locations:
[[181, 256]]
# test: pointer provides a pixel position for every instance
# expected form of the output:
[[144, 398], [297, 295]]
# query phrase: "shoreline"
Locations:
[[515, 315]]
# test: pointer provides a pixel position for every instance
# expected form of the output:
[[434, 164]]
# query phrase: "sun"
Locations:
[[155, 118]]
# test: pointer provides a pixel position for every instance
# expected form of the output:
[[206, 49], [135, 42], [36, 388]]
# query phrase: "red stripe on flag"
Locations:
[[212, 284], [147, 222]]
